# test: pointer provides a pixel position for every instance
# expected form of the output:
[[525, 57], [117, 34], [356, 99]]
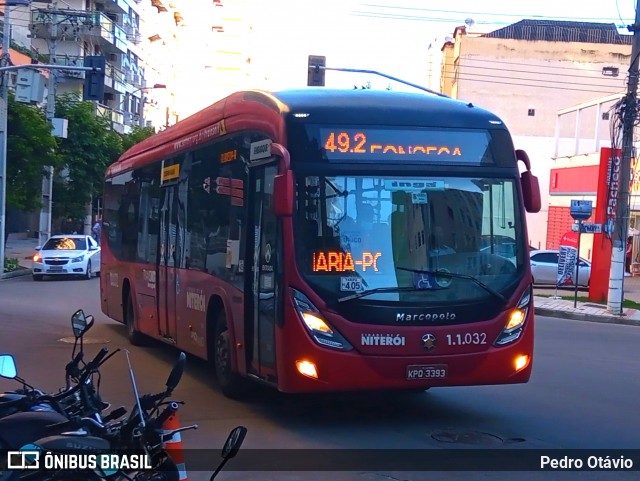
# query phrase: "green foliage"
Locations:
[[138, 134], [80, 160], [90, 147], [10, 264], [30, 147]]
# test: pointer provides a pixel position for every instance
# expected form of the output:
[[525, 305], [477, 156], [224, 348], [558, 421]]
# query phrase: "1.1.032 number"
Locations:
[[468, 338]]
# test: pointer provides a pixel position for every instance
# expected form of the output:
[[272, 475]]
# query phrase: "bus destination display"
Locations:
[[417, 145]]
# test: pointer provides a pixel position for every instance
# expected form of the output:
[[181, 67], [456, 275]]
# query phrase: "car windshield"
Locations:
[[65, 244], [395, 234]]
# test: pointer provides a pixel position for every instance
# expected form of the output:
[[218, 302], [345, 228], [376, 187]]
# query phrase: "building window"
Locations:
[[531, 112], [605, 115]]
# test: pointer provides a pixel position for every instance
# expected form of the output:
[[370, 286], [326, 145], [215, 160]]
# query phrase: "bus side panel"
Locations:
[[111, 278], [143, 279], [196, 294]]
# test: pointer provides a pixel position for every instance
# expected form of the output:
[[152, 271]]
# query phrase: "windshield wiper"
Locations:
[[457, 276], [379, 289]]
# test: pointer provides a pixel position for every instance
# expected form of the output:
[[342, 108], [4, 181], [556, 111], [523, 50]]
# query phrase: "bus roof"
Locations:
[[319, 104], [357, 106]]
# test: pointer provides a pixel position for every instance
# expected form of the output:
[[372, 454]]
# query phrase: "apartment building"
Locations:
[[64, 32], [529, 71]]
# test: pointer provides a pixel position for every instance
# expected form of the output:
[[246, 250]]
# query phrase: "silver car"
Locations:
[[544, 268], [67, 255]]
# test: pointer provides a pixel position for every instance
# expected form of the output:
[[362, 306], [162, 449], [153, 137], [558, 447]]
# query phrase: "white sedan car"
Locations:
[[67, 255], [544, 268]]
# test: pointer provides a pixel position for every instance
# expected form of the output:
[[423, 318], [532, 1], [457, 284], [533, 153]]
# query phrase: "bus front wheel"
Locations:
[[231, 384], [136, 338]]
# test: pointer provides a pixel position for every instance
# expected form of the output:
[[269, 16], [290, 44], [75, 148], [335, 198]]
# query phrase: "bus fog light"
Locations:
[[521, 362], [307, 368]]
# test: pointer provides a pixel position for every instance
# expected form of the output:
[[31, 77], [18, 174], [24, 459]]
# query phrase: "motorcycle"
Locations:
[[142, 432], [84, 400]]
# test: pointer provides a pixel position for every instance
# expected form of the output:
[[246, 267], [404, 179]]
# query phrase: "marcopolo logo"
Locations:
[[436, 316]]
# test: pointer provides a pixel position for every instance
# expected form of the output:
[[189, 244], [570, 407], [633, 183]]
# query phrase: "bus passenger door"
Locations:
[[261, 289], [167, 275]]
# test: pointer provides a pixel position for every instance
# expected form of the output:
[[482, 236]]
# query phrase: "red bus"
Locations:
[[327, 240]]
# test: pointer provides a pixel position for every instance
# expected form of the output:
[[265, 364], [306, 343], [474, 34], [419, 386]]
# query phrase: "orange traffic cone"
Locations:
[[174, 445]]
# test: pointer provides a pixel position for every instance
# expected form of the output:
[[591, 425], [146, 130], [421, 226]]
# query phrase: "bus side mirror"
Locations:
[[283, 194], [530, 185]]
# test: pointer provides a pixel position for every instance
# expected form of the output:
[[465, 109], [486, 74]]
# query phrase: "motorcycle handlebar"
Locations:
[[149, 400], [92, 365], [86, 372], [171, 408]]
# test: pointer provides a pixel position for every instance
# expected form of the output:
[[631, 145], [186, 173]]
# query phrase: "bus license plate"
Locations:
[[428, 371]]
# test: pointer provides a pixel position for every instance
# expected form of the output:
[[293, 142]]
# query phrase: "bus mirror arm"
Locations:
[[283, 194], [530, 185], [283, 154], [282, 183]]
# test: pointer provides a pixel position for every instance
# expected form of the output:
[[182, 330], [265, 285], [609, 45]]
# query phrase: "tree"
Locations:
[[91, 146], [30, 147], [138, 134]]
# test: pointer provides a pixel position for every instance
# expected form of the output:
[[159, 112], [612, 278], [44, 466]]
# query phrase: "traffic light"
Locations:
[[315, 77], [93, 88]]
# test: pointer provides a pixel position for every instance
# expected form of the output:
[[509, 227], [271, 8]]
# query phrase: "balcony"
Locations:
[[72, 61], [78, 24]]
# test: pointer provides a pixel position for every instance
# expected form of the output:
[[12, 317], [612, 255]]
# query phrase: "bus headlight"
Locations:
[[515, 324], [320, 330]]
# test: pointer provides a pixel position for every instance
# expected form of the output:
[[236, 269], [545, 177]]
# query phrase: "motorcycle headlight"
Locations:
[[515, 324], [320, 330]]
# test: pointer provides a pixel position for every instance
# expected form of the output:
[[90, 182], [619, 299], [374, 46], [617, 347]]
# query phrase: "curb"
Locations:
[[578, 316], [17, 273]]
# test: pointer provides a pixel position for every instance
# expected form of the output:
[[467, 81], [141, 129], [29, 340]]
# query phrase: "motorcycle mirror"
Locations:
[[231, 447], [78, 323], [233, 443], [176, 372], [8, 366]]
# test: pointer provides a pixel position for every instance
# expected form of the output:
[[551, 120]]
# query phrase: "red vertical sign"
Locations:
[[608, 184]]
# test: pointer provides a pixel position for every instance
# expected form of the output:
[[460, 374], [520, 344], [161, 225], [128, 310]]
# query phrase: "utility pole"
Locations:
[[47, 181], [621, 231], [4, 113]]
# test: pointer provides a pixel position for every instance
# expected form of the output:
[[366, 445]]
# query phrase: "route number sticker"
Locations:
[[351, 284]]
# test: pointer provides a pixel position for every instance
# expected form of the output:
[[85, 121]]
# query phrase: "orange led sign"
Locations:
[[334, 261], [228, 156], [377, 143]]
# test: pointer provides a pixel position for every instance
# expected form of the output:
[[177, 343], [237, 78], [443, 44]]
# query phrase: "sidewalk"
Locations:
[[21, 247]]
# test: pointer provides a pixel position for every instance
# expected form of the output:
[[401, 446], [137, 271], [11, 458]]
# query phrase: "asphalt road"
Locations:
[[583, 395]]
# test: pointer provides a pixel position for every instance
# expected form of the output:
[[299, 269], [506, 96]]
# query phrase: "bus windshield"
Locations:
[[413, 239]]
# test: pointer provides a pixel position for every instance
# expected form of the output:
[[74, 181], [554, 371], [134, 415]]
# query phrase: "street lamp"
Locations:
[[142, 100]]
